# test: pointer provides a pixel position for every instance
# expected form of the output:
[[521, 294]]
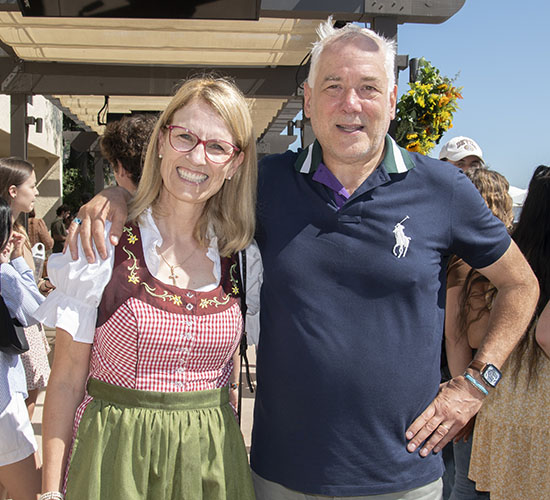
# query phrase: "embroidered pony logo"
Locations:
[[401, 239]]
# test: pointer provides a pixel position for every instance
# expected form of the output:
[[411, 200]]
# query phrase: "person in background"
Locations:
[[38, 232], [18, 188], [462, 152], [470, 297], [511, 447], [145, 340], [19, 459], [123, 144], [59, 228]]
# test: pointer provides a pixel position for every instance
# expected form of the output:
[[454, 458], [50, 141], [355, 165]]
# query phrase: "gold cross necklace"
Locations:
[[173, 276]]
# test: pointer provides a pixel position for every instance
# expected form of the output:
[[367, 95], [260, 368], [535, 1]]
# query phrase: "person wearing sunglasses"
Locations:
[[143, 367]]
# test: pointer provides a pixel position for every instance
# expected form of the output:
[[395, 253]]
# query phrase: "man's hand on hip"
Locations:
[[453, 407]]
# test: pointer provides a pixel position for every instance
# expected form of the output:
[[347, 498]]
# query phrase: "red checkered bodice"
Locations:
[[157, 337]]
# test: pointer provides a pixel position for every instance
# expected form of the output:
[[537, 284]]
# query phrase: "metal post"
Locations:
[[413, 69], [385, 26], [99, 177], [19, 128]]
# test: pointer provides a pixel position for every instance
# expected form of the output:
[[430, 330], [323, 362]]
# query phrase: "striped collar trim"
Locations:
[[309, 159], [396, 159]]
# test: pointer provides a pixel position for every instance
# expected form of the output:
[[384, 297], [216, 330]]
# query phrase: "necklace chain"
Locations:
[[173, 276]]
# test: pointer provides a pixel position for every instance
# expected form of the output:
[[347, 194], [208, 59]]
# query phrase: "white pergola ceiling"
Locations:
[[207, 44], [158, 41], [86, 108], [139, 62]]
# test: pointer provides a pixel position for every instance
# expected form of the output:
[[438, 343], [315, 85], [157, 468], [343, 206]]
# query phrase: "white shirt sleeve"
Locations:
[[254, 279], [79, 286]]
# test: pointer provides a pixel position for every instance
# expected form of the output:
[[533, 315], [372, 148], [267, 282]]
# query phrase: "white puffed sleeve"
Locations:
[[79, 286], [254, 279]]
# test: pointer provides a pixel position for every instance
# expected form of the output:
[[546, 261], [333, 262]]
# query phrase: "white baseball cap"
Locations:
[[460, 147]]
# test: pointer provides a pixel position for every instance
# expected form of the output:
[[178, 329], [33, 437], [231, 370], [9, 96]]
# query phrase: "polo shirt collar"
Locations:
[[396, 159]]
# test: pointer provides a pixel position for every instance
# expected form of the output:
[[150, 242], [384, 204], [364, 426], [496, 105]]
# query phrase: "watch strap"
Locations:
[[477, 365], [490, 374]]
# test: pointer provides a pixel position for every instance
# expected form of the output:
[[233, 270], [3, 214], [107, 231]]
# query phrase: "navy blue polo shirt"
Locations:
[[352, 308]]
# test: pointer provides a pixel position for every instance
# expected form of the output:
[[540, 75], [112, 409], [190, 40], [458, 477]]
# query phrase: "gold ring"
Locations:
[[444, 426]]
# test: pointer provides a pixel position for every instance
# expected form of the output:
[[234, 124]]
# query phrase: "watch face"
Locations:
[[491, 375]]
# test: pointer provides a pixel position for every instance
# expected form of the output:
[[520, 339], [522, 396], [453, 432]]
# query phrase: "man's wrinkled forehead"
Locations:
[[364, 43], [341, 48]]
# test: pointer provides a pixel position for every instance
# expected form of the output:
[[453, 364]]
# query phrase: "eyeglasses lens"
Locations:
[[184, 141]]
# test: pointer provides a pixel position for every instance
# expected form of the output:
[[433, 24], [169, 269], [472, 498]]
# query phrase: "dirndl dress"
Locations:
[[156, 420]]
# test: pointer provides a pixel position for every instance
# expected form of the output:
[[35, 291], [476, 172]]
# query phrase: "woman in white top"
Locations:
[[143, 368], [19, 462]]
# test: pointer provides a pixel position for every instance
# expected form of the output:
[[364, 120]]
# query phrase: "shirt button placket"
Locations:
[[191, 297]]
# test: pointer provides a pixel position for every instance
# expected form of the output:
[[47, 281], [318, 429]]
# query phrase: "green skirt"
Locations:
[[133, 445]]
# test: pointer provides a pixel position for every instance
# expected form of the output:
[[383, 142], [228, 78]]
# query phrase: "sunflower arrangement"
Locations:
[[425, 112]]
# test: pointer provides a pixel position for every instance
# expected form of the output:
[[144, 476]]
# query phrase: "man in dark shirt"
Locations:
[[58, 228]]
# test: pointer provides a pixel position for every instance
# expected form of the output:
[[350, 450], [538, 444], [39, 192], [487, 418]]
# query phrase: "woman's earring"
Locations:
[[160, 157]]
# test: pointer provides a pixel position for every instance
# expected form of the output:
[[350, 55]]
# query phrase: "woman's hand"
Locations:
[[45, 287], [5, 254], [13, 248], [17, 240]]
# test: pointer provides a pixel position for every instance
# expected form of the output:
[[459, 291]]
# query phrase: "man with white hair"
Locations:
[[462, 152], [355, 233]]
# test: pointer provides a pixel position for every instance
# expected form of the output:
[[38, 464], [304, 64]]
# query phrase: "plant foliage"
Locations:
[[425, 112]]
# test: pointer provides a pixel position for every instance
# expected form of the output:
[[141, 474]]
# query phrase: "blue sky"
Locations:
[[501, 50]]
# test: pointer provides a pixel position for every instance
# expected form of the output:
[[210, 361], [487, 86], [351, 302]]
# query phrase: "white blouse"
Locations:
[[72, 306]]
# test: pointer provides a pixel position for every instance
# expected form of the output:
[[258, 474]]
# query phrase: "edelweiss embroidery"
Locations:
[[214, 302], [175, 299], [234, 282], [401, 239], [132, 238]]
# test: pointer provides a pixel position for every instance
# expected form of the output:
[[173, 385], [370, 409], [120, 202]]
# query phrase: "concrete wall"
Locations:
[[45, 151]]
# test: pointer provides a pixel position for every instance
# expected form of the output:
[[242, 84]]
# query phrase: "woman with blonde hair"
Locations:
[[18, 188], [143, 368], [469, 299]]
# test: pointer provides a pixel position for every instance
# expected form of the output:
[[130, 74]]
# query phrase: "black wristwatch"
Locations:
[[490, 374]]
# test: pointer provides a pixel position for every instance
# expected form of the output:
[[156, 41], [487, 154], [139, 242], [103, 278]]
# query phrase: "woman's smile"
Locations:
[[191, 176]]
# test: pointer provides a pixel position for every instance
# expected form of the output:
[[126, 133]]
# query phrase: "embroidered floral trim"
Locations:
[[214, 302], [132, 238], [132, 277], [175, 299], [233, 279]]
